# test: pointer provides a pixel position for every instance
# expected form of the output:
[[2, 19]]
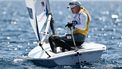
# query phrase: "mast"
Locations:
[[49, 13]]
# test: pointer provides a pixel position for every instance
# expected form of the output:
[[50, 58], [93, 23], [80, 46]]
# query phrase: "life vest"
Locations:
[[86, 29]]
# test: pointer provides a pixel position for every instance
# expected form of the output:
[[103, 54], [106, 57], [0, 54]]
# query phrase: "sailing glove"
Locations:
[[69, 25]]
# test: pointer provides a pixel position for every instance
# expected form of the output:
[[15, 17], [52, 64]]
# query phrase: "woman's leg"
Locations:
[[52, 44]]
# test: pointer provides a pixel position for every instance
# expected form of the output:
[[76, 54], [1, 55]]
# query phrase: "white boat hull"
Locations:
[[89, 53]]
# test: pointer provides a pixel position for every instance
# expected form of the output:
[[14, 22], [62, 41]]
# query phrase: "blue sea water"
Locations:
[[17, 37]]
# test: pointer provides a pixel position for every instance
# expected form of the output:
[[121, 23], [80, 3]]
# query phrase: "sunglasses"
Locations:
[[72, 4]]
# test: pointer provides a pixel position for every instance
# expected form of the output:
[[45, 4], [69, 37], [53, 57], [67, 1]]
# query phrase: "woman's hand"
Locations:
[[69, 25]]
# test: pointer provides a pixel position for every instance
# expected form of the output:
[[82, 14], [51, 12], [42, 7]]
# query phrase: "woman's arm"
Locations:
[[88, 15]]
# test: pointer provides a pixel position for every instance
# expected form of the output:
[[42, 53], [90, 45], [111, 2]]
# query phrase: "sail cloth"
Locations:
[[38, 12]]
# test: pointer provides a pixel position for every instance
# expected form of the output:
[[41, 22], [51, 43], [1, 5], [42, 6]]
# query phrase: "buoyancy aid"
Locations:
[[86, 29]]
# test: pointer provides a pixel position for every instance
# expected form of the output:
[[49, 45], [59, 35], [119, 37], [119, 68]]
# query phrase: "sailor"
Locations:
[[80, 24]]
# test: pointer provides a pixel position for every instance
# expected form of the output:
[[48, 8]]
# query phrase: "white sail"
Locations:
[[38, 12]]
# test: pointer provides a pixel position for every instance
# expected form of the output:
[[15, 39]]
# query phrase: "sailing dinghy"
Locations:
[[40, 19]]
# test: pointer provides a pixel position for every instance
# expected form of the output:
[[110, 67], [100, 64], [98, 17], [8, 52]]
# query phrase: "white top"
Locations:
[[81, 20]]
